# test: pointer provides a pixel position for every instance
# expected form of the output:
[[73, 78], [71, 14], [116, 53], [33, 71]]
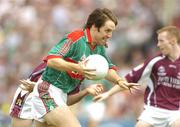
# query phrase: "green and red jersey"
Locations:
[[74, 47]]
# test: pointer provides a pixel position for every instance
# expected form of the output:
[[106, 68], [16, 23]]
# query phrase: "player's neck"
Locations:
[[175, 54]]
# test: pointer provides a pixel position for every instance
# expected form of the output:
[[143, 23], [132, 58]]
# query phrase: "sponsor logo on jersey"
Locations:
[[172, 66], [161, 71]]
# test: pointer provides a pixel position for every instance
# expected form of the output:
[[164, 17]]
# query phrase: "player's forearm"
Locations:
[[115, 89], [112, 76], [62, 65], [72, 99]]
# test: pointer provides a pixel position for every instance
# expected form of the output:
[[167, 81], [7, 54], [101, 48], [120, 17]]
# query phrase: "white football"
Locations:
[[99, 63]]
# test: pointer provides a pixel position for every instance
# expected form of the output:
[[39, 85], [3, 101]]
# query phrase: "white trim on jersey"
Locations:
[[146, 75]]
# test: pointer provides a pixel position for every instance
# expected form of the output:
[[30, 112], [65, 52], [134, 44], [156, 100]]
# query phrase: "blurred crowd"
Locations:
[[29, 28]]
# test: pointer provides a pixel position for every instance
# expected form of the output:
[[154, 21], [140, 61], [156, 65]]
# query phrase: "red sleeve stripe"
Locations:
[[65, 48], [45, 59]]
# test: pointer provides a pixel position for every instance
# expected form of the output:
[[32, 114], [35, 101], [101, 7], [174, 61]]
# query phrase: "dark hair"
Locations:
[[99, 16], [172, 30]]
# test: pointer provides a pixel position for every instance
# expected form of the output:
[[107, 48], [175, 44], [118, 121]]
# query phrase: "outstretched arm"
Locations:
[[107, 94], [116, 79], [93, 90]]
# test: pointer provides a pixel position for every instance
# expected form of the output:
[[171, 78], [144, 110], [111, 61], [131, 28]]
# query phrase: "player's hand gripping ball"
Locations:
[[99, 63]]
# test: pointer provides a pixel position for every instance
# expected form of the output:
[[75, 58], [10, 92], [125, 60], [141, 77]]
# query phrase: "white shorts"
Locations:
[[21, 105], [45, 98], [159, 117]]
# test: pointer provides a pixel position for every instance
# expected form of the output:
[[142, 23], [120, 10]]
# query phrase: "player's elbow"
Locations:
[[69, 103]]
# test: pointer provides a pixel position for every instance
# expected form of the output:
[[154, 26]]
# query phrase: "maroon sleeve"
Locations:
[[136, 73], [37, 72]]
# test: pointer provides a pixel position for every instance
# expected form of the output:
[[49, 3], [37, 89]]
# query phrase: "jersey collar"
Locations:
[[89, 38]]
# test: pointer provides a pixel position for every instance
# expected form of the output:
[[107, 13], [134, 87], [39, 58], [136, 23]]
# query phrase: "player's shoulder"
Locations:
[[155, 56], [75, 35]]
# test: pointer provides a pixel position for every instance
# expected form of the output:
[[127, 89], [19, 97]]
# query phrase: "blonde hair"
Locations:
[[172, 30]]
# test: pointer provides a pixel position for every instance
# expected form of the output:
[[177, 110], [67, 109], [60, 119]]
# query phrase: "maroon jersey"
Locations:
[[164, 90]]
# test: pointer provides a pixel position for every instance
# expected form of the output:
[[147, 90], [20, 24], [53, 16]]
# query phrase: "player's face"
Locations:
[[164, 43], [102, 34]]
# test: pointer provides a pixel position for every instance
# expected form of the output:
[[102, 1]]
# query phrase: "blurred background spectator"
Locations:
[[28, 29]]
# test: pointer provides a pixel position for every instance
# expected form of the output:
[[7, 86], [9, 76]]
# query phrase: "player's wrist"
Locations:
[[122, 84], [87, 91], [120, 80], [108, 94], [75, 67], [79, 67]]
